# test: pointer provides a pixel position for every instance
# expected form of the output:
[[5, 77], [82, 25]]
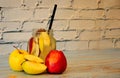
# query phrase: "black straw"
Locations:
[[52, 17]]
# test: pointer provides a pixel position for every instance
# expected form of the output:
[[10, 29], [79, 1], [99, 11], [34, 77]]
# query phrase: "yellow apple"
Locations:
[[16, 58], [31, 67], [33, 58]]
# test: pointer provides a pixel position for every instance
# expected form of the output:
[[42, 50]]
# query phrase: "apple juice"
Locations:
[[41, 43]]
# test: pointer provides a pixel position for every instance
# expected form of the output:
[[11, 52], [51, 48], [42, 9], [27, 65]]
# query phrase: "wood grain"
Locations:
[[81, 64]]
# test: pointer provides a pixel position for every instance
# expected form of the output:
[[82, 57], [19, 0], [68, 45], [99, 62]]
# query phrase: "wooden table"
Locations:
[[81, 64]]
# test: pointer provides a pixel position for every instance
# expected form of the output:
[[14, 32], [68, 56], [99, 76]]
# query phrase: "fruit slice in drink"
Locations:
[[41, 43]]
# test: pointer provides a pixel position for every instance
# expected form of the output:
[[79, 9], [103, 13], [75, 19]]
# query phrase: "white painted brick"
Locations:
[[76, 45], [65, 35], [16, 14], [107, 24], [112, 24], [94, 45], [82, 24], [29, 26], [113, 14], [47, 3], [9, 26], [100, 24], [90, 35], [85, 4], [60, 45], [30, 3], [105, 44], [92, 14], [57, 25], [117, 44], [101, 44], [6, 48], [89, 14], [110, 4], [42, 14], [112, 33], [10, 3], [23, 45], [60, 25], [64, 14], [17, 36], [60, 3]]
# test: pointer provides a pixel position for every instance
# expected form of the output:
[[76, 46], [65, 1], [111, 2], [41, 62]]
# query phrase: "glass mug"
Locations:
[[41, 43]]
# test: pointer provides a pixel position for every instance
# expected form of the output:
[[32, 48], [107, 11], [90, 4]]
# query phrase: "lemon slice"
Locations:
[[46, 38], [41, 43]]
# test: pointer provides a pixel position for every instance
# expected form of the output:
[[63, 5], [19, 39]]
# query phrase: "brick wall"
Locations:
[[78, 24]]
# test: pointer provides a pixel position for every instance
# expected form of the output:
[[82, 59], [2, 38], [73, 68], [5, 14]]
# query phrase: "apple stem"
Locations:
[[17, 49]]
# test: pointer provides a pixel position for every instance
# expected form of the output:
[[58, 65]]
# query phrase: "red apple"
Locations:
[[56, 62]]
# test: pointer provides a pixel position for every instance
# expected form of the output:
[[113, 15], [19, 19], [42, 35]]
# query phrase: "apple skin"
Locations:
[[56, 62], [30, 45], [16, 58]]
